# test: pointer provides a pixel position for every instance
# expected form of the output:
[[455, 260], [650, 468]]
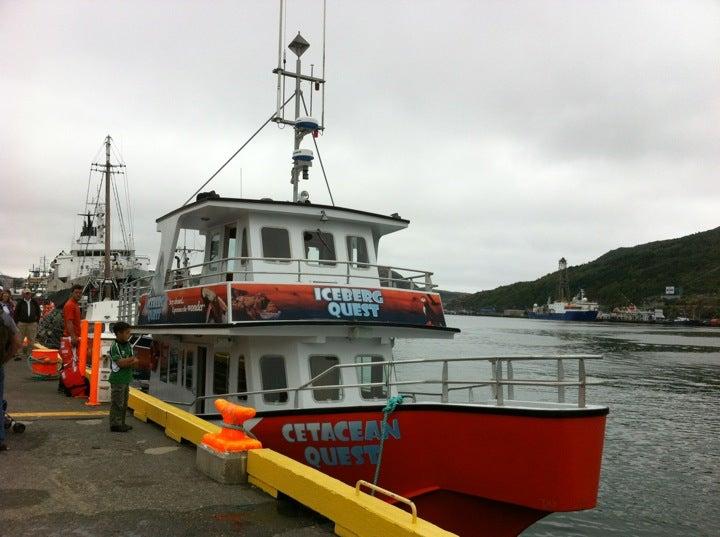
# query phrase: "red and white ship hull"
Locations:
[[470, 469]]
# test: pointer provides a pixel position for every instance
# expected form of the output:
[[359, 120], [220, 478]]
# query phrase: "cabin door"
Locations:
[[200, 376]]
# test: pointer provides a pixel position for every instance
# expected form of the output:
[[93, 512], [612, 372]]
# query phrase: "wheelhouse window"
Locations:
[[357, 251], [220, 372], [244, 247], [230, 247], [319, 364], [214, 252], [275, 242], [371, 374], [272, 373], [319, 247]]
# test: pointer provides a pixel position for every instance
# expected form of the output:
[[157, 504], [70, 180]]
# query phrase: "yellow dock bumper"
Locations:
[[355, 514]]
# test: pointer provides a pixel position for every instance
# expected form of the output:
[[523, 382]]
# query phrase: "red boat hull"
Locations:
[[471, 470]]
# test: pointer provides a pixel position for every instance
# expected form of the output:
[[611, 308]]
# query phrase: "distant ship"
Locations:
[[577, 309], [92, 262]]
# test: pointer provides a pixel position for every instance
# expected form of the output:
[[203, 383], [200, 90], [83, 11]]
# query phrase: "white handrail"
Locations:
[[496, 383]]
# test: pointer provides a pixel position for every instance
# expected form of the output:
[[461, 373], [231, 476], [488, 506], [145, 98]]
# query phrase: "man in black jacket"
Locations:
[[27, 316]]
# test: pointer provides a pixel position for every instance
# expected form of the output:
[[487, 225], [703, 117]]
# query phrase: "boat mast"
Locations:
[[302, 124], [107, 276], [107, 169]]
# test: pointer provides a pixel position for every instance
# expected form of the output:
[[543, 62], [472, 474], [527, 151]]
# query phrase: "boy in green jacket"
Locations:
[[122, 363]]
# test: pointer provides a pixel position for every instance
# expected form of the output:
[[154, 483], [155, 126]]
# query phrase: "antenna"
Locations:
[[279, 65], [303, 125], [322, 116]]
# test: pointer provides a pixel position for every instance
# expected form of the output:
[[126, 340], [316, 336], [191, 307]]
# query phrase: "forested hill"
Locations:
[[636, 275]]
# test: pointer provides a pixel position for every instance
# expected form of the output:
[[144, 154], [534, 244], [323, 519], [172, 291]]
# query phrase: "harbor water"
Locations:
[[661, 465]]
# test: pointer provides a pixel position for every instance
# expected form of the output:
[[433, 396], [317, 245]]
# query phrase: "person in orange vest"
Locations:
[[71, 320], [72, 315]]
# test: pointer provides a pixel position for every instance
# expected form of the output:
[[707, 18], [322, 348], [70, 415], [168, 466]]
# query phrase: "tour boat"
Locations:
[[291, 313]]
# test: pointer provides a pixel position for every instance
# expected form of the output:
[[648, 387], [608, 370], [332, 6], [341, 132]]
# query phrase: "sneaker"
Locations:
[[120, 428], [3, 447], [127, 428], [17, 358]]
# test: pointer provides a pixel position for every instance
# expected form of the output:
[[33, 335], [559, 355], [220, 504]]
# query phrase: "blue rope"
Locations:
[[392, 404]]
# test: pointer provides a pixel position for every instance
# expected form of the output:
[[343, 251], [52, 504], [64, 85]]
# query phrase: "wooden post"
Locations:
[[95, 373], [83, 347]]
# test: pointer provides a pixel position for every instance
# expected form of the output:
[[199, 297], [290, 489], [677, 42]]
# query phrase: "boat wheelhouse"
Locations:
[[290, 312], [306, 284]]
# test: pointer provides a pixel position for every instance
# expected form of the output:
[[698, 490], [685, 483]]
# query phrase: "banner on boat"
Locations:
[[237, 302]]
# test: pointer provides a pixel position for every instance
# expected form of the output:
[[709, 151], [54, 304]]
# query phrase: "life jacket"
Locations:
[[74, 383]]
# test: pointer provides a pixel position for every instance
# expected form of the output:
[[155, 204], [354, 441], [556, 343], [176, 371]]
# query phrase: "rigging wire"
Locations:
[[121, 216], [95, 210], [317, 150], [238, 151], [129, 241]]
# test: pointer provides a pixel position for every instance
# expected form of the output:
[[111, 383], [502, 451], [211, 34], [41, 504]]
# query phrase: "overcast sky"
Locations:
[[510, 133]]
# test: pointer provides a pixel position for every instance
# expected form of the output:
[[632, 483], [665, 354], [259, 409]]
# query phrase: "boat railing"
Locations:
[[297, 269], [501, 380], [129, 299]]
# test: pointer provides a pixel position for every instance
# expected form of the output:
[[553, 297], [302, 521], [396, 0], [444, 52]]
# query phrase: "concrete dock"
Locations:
[[67, 474]]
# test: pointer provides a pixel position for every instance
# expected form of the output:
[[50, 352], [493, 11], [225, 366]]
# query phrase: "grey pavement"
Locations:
[[73, 477]]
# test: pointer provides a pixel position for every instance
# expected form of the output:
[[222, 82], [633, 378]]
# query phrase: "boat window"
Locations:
[[230, 247], [220, 373], [201, 365], [357, 251], [244, 247], [319, 247], [163, 367], [189, 363], [371, 374], [173, 365], [272, 371], [318, 364], [275, 242], [214, 254], [241, 378]]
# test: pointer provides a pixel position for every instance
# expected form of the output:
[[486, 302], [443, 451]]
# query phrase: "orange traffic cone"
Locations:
[[232, 438]]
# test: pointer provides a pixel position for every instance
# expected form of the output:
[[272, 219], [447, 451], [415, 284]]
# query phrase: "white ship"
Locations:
[[93, 261]]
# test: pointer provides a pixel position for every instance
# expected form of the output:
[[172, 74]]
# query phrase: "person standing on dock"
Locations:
[[6, 302], [72, 315], [27, 316], [122, 362], [9, 344]]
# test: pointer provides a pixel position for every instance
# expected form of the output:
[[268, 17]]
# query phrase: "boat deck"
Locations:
[[68, 475]]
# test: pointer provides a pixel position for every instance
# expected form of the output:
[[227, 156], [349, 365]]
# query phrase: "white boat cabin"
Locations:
[[285, 292]]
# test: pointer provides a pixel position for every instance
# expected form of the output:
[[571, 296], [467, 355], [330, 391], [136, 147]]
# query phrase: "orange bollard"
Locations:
[[82, 348], [95, 373], [232, 438]]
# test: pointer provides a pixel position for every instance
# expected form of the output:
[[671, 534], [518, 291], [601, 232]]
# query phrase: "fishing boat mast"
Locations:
[[108, 169]]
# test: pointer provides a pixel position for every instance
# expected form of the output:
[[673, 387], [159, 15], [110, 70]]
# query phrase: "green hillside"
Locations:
[[638, 275]]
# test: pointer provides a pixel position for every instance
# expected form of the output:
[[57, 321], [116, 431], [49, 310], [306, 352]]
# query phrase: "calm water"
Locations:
[[661, 465]]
